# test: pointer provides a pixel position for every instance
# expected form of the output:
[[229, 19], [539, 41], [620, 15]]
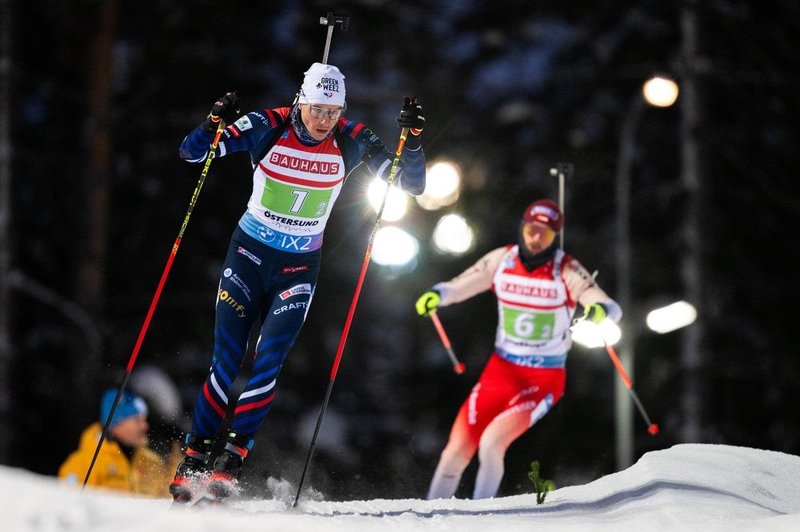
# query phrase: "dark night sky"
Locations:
[[509, 89]]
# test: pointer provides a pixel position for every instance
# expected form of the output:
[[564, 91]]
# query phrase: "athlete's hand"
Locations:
[[411, 115], [428, 303], [595, 312], [226, 109]]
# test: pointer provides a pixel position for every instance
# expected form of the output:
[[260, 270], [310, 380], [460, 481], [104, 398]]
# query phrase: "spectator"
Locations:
[[125, 461]]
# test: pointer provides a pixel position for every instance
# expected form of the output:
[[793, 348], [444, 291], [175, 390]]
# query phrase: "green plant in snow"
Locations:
[[540, 485]]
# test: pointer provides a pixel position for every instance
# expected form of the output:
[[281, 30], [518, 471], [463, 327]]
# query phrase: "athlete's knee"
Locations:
[[491, 457], [492, 444], [458, 451]]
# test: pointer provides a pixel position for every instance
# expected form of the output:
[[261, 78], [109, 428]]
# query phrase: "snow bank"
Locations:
[[686, 487]]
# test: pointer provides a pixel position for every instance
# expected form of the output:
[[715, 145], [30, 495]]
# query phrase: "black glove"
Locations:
[[225, 109], [411, 116]]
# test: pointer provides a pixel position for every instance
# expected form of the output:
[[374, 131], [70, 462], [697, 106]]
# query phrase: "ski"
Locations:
[[212, 495], [206, 500]]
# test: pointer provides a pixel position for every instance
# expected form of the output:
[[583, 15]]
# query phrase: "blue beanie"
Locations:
[[129, 405]]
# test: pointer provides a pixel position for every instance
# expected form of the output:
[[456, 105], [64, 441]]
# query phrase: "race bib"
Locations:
[[528, 325], [295, 201]]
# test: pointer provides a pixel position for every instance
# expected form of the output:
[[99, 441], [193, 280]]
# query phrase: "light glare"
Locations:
[[666, 319], [453, 235], [590, 334], [660, 91], [394, 247], [396, 202], [443, 186]]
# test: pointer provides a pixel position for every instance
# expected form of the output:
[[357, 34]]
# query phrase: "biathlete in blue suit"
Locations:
[[301, 157]]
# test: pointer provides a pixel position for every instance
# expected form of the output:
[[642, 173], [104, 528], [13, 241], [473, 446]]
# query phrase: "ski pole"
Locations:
[[652, 428], [156, 296], [458, 366], [337, 360]]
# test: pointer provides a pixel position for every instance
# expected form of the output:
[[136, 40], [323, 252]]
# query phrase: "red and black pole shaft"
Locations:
[[353, 303], [652, 428], [458, 366], [156, 296]]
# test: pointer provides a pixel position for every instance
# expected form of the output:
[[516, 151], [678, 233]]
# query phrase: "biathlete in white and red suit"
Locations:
[[301, 157], [538, 287]]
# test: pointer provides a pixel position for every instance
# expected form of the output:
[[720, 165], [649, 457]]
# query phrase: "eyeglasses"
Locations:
[[325, 114], [531, 229]]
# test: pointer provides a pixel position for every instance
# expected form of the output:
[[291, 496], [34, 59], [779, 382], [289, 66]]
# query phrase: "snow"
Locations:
[[686, 487]]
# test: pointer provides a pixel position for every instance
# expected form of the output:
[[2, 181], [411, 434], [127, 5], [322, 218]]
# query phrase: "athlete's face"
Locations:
[[537, 236], [319, 119]]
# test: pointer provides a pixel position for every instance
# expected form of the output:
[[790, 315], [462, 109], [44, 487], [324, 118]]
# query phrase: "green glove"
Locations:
[[428, 303], [595, 312]]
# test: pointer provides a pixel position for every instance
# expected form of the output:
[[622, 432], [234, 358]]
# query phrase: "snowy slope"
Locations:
[[686, 487]]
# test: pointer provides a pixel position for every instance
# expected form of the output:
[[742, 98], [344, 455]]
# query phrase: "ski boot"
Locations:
[[228, 467], [192, 471]]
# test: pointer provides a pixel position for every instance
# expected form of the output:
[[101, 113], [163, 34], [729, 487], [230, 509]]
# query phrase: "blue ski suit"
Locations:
[[271, 267]]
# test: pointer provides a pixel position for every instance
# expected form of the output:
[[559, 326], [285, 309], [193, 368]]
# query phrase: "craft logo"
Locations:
[[264, 119], [304, 288], [291, 306]]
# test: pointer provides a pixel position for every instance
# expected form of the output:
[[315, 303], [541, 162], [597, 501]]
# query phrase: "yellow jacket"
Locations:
[[145, 474]]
